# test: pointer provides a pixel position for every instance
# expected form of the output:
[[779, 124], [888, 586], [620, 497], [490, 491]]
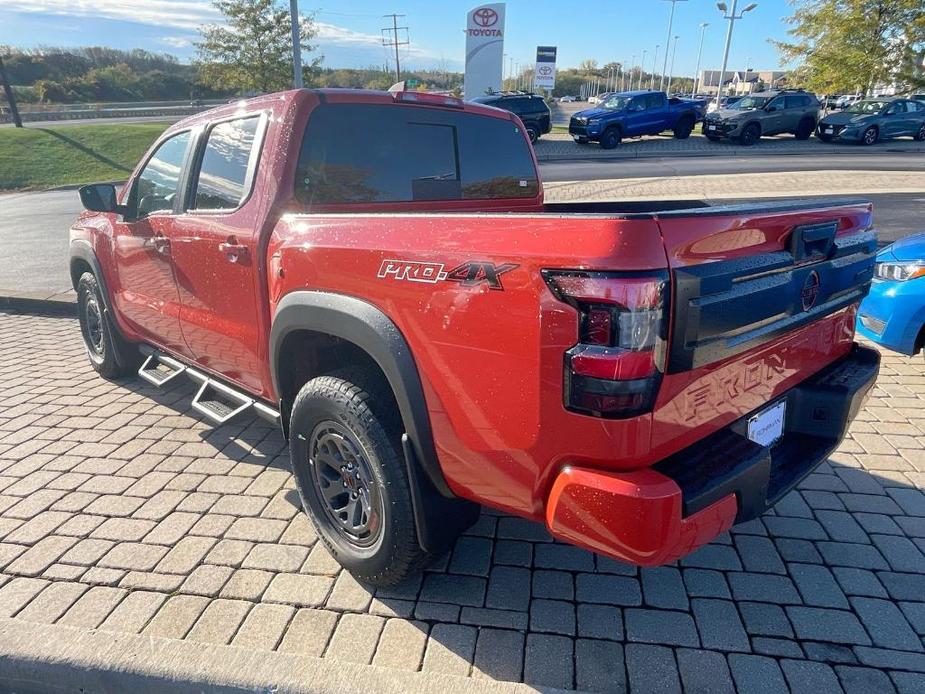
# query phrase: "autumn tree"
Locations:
[[252, 51], [847, 45]]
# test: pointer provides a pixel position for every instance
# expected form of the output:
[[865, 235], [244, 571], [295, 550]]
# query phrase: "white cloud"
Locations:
[[189, 15], [176, 41], [177, 14]]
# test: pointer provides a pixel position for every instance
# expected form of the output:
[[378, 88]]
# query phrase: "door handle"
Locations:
[[234, 251]]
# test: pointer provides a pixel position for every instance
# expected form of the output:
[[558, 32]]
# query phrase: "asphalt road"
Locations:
[[33, 226]]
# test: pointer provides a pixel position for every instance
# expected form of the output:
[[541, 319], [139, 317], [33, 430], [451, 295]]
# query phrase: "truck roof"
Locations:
[[369, 96]]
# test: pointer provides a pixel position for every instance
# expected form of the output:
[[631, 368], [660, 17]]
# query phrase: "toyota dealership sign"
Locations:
[[484, 50], [544, 73]]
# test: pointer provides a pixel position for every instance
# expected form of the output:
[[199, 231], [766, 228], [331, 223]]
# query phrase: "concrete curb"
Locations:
[[741, 152], [43, 658], [64, 304]]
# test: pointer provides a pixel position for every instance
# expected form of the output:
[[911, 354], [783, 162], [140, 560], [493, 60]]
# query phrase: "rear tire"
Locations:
[[751, 133], [110, 354], [532, 133], [920, 135], [610, 138], [683, 128], [344, 439], [805, 129]]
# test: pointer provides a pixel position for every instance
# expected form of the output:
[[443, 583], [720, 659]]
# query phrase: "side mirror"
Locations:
[[771, 109], [100, 197]]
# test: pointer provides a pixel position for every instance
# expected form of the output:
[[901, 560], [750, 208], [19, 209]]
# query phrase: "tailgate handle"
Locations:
[[813, 241]]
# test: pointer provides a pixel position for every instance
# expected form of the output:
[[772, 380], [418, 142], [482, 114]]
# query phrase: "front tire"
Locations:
[[109, 353], [346, 455], [751, 133], [610, 138], [870, 136]]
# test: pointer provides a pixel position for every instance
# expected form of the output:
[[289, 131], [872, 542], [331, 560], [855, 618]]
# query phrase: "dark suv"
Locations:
[[765, 113], [531, 108]]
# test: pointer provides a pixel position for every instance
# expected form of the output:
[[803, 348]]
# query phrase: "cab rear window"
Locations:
[[368, 153]]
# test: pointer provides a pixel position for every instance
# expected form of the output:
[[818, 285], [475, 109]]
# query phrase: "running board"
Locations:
[[158, 369], [216, 401]]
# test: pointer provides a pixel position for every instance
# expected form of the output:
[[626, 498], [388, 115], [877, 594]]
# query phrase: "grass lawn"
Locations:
[[43, 157]]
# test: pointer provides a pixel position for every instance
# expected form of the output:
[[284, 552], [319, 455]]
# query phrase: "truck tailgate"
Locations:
[[763, 297]]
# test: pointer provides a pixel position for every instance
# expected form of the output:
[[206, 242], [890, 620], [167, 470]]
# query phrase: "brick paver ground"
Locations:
[[121, 510]]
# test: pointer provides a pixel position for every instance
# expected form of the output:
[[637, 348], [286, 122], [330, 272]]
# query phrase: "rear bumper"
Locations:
[[654, 516]]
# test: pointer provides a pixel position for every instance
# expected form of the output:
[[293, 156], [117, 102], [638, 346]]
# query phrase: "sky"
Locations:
[[349, 33]]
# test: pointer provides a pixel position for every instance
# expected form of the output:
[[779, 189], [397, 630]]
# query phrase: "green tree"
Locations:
[[253, 51], [845, 45]]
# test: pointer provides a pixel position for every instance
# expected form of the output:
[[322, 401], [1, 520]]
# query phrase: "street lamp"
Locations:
[[703, 28], [654, 63], [731, 16], [632, 65], [642, 67], [661, 81], [674, 50]]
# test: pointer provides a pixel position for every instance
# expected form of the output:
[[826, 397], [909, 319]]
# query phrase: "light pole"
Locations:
[[661, 81], [632, 65], [642, 67], [674, 49], [731, 17], [703, 29], [654, 63]]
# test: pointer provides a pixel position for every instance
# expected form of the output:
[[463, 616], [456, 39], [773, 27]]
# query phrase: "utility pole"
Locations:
[[393, 40], [703, 28], [8, 90], [731, 18], [671, 68], [661, 81], [296, 44]]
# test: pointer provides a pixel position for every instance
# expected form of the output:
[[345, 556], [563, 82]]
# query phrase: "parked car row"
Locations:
[[797, 112]]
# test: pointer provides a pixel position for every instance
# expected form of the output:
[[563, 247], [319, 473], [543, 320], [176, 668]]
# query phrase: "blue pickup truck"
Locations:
[[632, 114]]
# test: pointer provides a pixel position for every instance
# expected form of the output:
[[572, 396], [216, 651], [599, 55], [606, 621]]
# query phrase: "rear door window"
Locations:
[[655, 100], [369, 153], [797, 101], [223, 176]]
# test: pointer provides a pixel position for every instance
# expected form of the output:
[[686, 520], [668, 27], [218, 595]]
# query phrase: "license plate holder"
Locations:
[[767, 427]]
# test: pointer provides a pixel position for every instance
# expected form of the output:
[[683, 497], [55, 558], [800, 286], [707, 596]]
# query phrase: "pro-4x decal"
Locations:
[[468, 274]]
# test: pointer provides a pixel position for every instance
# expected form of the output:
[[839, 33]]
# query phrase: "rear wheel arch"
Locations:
[[315, 333]]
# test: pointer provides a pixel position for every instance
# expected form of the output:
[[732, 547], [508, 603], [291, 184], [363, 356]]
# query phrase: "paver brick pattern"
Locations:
[[121, 510]]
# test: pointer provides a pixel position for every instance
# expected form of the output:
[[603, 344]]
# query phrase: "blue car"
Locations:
[[872, 120], [893, 314]]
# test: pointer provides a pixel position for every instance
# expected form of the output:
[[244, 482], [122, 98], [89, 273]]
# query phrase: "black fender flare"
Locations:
[[439, 514], [82, 250]]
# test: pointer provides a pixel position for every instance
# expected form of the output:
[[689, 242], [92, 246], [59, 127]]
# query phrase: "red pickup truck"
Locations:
[[378, 272]]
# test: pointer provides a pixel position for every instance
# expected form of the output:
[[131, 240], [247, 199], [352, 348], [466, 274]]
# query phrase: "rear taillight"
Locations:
[[615, 368]]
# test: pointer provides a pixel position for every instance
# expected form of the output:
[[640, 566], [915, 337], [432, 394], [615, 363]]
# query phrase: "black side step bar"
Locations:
[[217, 401]]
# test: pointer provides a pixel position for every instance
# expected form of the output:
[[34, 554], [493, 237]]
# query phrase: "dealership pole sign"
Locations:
[[484, 50], [544, 74]]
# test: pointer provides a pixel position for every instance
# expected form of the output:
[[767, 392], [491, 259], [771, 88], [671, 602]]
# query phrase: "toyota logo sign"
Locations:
[[485, 17]]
